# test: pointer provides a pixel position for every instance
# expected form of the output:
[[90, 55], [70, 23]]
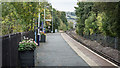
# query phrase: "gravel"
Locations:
[[113, 53]]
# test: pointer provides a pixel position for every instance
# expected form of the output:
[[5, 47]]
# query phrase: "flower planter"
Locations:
[[26, 58], [43, 38]]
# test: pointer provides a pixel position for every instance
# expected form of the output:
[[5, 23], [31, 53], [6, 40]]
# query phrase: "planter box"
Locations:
[[26, 58], [43, 38]]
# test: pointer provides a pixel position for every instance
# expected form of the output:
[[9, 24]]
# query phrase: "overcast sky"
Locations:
[[63, 5]]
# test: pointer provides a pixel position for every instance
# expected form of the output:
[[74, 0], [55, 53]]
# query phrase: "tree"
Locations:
[[98, 17], [82, 12], [21, 16], [70, 25], [109, 10], [63, 18], [90, 24]]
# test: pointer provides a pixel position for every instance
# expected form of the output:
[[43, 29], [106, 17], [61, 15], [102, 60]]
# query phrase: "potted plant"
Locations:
[[26, 52], [43, 37]]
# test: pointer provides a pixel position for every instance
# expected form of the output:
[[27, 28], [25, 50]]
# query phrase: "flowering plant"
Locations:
[[42, 33], [27, 44]]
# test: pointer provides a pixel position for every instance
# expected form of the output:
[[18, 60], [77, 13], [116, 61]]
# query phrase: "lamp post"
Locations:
[[52, 17], [52, 20], [44, 17], [38, 26]]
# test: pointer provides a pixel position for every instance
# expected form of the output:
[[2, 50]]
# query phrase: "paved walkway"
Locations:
[[56, 52]]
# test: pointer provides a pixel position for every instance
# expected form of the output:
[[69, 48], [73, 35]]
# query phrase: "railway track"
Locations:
[[100, 53]]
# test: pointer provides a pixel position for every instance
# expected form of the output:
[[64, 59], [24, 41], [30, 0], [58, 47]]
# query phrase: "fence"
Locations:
[[0, 51], [10, 47], [106, 41]]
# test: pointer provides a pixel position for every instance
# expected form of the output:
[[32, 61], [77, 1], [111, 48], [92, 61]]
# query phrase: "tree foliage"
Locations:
[[98, 17], [18, 16], [21, 16], [60, 20], [82, 12]]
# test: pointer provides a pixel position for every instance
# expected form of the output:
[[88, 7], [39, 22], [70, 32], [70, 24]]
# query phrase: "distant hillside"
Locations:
[[71, 17]]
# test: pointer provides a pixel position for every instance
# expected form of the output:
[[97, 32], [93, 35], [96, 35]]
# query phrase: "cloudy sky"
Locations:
[[63, 5]]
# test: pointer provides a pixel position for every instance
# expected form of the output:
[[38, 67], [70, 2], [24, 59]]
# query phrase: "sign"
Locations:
[[47, 19]]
